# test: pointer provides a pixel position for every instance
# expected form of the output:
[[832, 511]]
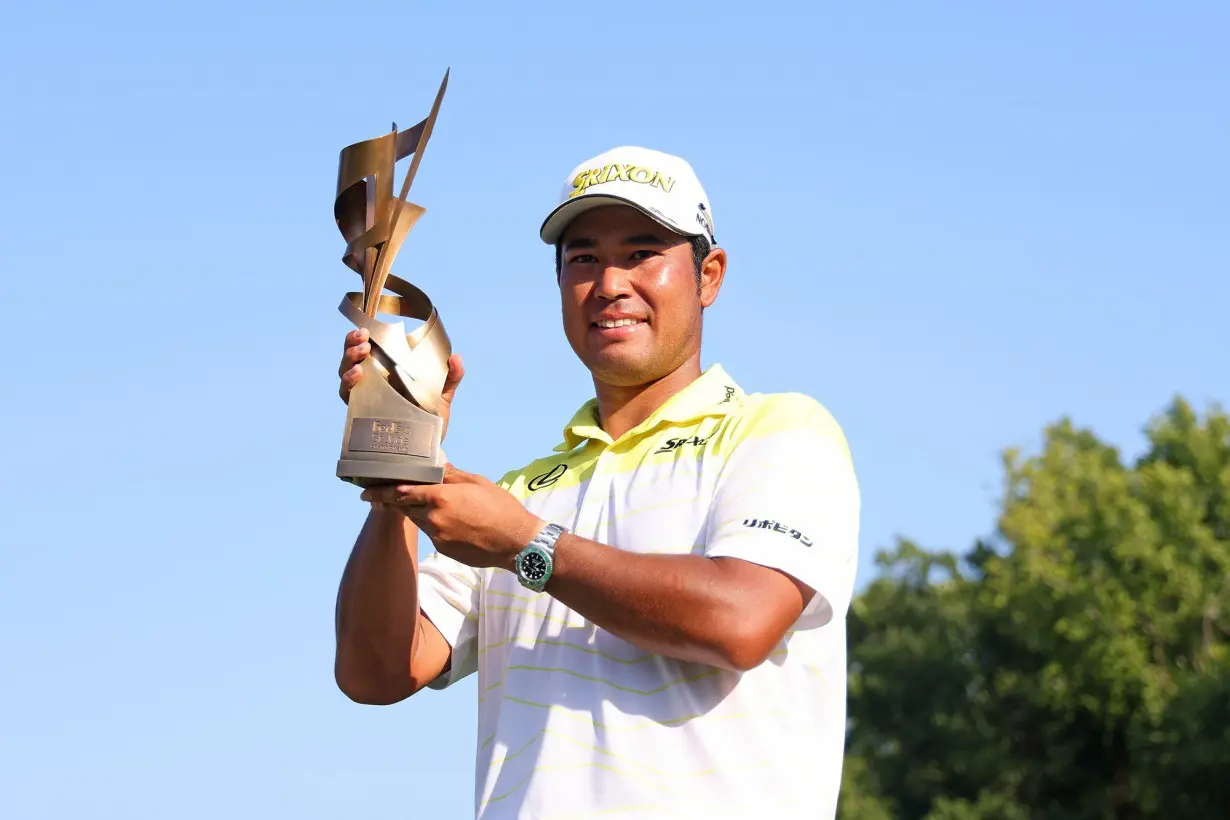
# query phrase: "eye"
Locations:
[[582, 259], [643, 254]]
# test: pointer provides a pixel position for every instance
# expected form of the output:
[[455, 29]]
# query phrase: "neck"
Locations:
[[622, 408]]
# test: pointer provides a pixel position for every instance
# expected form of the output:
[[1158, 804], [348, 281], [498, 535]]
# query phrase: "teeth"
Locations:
[[617, 322]]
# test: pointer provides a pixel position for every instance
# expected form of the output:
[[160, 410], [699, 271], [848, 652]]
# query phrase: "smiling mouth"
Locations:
[[612, 323]]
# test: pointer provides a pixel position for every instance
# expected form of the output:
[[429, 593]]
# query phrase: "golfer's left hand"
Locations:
[[468, 518]]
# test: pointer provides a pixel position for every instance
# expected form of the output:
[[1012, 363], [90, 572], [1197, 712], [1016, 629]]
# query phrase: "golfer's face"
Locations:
[[630, 304]]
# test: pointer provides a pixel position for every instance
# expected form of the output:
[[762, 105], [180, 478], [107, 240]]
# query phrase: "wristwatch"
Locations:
[[534, 563]]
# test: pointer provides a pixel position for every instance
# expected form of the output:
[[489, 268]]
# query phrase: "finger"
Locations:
[[401, 495], [357, 336], [353, 355], [351, 377], [456, 371], [419, 517], [380, 496], [349, 380], [453, 475]]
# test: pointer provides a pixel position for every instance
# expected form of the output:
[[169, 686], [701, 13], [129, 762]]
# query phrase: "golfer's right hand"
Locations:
[[359, 348]]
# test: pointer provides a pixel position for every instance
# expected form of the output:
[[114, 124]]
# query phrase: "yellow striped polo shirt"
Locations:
[[574, 722]]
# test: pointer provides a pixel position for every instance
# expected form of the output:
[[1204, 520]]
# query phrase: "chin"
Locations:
[[623, 371]]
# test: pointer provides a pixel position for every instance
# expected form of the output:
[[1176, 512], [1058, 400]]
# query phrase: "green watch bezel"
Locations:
[[542, 545], [548, 559]]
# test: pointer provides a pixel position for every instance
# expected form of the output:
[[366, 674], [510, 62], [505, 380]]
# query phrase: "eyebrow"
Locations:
[[579, 242], [645, 239], [584, 242]]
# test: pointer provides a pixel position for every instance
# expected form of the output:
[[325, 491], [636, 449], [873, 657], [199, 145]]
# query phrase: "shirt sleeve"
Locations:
[[449, 596], [788, 498]]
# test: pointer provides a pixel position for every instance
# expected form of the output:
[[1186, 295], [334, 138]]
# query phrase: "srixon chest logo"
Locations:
[[672, 444], [777, 526]]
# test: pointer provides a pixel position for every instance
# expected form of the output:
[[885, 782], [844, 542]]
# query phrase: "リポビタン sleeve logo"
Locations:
[[620, 173]]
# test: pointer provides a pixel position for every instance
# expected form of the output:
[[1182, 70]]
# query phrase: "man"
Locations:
[[655, 610]]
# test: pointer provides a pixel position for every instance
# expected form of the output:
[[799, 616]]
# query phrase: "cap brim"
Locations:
[[555, 223]]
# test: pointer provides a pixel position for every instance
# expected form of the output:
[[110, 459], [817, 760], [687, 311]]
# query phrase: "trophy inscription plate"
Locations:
[[409, 438]]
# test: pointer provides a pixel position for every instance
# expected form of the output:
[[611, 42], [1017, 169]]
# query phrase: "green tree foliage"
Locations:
[[1077, 664]]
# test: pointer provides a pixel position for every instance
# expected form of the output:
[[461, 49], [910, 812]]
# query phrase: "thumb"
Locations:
[[454, 475]]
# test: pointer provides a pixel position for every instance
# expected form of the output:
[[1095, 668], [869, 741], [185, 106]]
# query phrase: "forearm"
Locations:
[[379, 628], [687, 607]]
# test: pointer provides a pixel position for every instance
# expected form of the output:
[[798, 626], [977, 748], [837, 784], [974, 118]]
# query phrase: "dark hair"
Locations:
[[700, 250]]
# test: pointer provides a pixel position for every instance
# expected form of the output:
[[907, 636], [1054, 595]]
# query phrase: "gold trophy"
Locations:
[[393, 427]]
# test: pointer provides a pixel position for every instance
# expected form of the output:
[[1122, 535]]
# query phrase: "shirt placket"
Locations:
[[596, 495]]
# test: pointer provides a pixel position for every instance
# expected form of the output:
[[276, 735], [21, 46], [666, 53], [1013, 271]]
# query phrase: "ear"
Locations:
[[712, 274]]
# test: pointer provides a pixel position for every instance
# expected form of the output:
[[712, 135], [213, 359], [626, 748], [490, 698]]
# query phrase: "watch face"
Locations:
[[534, 566]]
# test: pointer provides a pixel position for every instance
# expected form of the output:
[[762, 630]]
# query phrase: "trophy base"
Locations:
[[388, 439], [375, 473]]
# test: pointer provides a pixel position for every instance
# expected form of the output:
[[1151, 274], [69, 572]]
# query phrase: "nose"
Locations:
[[612, 283]]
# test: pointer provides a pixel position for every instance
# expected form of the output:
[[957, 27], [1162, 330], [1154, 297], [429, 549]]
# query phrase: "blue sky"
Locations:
[[950, 223]]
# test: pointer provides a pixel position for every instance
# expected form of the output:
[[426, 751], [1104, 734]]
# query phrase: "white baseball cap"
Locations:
[[662, 186]]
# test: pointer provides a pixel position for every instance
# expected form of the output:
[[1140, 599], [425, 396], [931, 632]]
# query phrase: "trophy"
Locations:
[[393, 427]]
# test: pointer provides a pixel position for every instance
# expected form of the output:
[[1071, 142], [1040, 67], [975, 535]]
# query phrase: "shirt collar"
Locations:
[[713, 393]]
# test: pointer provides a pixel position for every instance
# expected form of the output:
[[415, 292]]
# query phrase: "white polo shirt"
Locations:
[[574, 722]]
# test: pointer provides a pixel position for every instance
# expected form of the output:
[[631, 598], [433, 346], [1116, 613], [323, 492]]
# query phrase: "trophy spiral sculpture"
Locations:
[[393, 427]]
